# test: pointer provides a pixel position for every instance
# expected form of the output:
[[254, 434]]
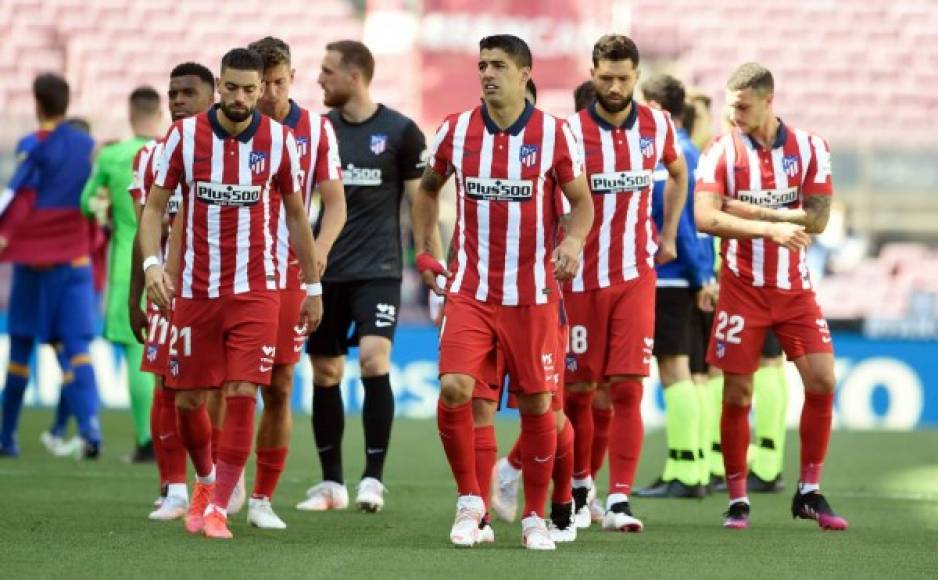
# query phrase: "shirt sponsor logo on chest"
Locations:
[[224, 194], [620, 181], [487, 189], [366, 176], [769, 197]]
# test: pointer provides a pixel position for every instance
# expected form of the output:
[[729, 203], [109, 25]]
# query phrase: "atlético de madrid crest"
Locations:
[[647, 145], [379, 142], [257, 161], [528, 155], [790, 163]]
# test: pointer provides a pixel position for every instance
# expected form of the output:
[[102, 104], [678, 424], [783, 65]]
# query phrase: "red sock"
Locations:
[[457, 436], [174, 454], [578, 408], [155, 411], [734, 439], [270, 464], [195, 432], [816, 417], [538, 448], [514, 456], [234, 446], [486, 450], [563, 465], [216, 443], [626, 434], [601, 421]]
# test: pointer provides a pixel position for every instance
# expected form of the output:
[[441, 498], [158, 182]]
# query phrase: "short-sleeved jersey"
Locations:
[[620, 163], [319, 159], [231, 186], [144, 175], [736, 167], [506, 186], [378, 155]]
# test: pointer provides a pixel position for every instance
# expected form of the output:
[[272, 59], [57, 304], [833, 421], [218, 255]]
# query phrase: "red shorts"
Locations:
[[492, 389], [156, 348], [744, 314], [214, 340], [612, 330], [291, 339], [473, 333]]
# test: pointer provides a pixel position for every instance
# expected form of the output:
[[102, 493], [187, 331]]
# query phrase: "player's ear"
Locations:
[[292, 75]]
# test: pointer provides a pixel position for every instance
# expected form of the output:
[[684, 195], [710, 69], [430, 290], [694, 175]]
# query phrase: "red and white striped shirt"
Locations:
[[231, 187], [143, 177], [507, 213], [319, 158], [736, 167], [620, 163]]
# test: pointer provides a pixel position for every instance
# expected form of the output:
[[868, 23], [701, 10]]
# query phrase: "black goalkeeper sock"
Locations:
[[328, 427], [377, 416]]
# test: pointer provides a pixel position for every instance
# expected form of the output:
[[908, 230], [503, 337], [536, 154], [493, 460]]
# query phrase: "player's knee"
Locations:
[[483, 413], [455, 390], [374, 364], [239, 389], [601, 399], [737, 390], [276, 396], [581, 387], [535, 404], [561, 420], [327, 371], [189, 400], [823, 382]]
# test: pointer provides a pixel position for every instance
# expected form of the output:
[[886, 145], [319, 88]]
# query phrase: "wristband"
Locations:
[[314, 289], [426, 262], [150, 262]]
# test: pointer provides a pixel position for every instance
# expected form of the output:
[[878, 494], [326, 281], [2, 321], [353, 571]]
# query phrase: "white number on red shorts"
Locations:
[[158, 324], [185, 334], [578, 343], [729, 327]]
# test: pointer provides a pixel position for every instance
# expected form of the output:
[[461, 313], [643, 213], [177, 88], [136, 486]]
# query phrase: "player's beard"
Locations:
[[614, 106], [237, 116], [335, 99]]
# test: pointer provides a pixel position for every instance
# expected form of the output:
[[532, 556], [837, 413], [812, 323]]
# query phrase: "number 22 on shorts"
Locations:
[[729, 327]]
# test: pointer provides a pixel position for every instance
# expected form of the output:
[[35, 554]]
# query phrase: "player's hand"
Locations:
[[159, 287], [3, 243], [789, 236], [566, 258], [310, 314], [434, 273], [667, 250], [707, 297], [138, 322]]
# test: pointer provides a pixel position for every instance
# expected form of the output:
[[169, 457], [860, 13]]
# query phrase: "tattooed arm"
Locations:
[[813, 216], [424, 217], [711, 219]]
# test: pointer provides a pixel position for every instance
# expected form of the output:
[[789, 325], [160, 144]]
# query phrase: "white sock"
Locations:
[[177, 490], [508, 470], [804, 488], [615, 498], [208, 479], [586, 482], [744, 499]]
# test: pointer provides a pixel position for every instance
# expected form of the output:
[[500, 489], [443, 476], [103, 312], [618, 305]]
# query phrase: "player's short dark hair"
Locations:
[[355, 54], [243, 59], [274, 51], [145, 100], [667, 91], [193, 69], [51, 93], [530, 87], [583, 95], [513, 46], [751, 75], [615, 47]]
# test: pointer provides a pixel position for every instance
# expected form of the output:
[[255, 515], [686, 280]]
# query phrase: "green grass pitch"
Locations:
[[59, 519]]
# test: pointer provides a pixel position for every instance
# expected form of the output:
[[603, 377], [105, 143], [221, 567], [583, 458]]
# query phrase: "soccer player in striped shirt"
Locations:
[[236, 167], [763, 188], [319, 159], [611, 300], [191, 91], [508, 157]]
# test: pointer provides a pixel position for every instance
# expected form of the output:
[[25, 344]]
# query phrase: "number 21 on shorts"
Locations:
[[185, 334], [729, 327]]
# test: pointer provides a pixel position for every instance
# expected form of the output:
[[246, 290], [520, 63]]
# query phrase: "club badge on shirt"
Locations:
[[379, 143]]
